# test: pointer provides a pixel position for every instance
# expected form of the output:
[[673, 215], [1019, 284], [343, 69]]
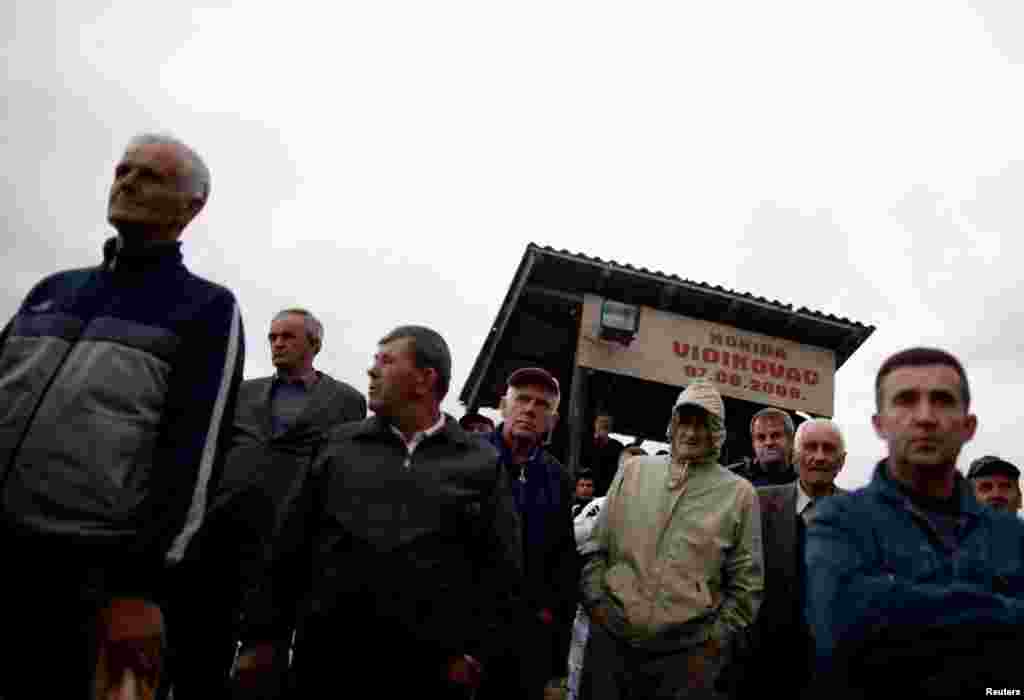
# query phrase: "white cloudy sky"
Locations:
[[388, 162]]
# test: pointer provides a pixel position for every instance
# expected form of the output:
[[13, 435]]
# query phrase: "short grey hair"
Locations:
[[430, 351], [831, 424], [772, 412], [314, 329], [198, 176]]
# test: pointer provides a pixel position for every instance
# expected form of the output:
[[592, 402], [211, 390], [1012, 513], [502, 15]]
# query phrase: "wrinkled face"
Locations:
[[771, 444], [691, 439], [584, 489], [819, 455], [1000, 491], [528, 412], [290, 346], [394, 378], [148, 193], [923, 417], [602, 427]]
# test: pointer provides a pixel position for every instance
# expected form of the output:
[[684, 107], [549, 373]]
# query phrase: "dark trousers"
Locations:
[[620, 671], [955, 661], [52, 595], [200, 604], [534, 653], [333, 659]]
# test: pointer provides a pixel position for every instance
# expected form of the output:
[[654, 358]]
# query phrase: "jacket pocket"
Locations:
[[624, 590]]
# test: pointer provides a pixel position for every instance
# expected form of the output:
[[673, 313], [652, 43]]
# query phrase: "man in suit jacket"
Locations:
[[781, 654], [281, 423]]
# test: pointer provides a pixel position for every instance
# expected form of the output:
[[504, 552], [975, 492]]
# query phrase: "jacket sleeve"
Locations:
[[196, 427], [497, 548], [743, 570], [274, 589], [850, 597], [565, 563]]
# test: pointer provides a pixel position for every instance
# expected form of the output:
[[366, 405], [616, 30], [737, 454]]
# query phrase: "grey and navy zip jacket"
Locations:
[[117, 388]]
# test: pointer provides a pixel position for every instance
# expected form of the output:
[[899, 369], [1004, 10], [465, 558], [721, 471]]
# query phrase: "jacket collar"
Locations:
[[536, 454], [118, 256], [377, 428], [887, 488]]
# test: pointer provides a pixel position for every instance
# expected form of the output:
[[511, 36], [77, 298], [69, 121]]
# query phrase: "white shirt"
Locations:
[[802, 499], [412, 443], [584, 523]]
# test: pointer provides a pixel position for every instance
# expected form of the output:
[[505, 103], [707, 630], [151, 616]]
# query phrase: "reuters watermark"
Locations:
[[1007, 692]]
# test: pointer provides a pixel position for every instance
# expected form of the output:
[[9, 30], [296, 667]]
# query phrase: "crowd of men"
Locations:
[[172, 529]]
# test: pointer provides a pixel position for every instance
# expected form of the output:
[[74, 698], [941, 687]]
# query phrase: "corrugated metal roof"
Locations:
[[668, 277], [541, 265]]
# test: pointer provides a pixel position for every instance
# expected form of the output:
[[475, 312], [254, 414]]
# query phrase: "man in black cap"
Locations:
[[473, 422], [996, 483]]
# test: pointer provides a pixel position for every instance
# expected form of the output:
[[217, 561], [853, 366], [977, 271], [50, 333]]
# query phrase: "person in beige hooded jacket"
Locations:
[[678, 573]]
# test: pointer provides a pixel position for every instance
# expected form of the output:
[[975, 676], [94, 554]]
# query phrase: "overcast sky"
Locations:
[[388, 162]]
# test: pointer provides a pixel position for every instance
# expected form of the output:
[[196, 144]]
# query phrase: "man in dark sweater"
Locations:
[[771, 433]]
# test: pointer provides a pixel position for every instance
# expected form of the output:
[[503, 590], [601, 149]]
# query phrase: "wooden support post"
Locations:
[[577, 416]]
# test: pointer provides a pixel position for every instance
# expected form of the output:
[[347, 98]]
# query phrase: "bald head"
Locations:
[[820, 454]]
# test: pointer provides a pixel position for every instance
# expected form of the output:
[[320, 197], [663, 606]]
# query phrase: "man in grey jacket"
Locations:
[[281, 423], [678, 573], [780, 638]]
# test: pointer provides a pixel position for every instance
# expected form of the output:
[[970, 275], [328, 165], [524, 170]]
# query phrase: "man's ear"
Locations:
[[430, 377], [552, 422], [194, 205], [503, 407], [876, 421], [970, 427]]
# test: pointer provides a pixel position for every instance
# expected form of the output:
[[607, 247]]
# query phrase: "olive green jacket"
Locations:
[[676, 567]]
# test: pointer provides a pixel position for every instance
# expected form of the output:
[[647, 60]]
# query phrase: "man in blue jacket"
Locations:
[[116, 382], [543, 493], [913, 587]]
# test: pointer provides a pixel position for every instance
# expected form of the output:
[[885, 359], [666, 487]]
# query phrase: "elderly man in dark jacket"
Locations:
[[543, 495], [399, 566], [780, 639], [117, 383], [281, 424]]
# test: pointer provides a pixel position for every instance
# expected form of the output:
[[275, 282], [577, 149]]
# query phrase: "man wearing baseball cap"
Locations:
[[543, 495], [678, 571], [996, 483]]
